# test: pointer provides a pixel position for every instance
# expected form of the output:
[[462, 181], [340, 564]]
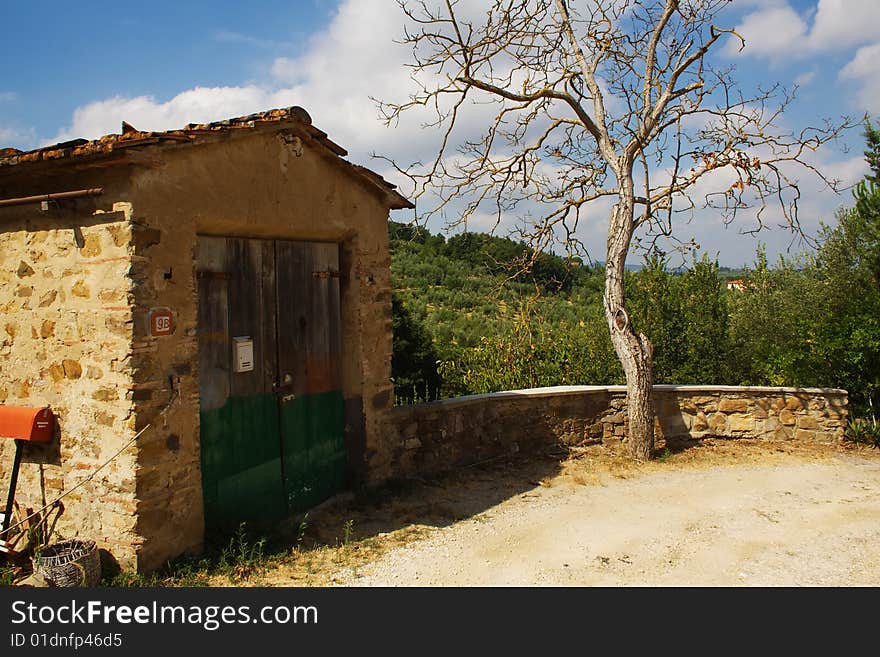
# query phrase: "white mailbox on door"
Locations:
[[242, 354]]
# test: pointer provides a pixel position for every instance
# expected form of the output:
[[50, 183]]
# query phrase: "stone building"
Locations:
[[225, 287]]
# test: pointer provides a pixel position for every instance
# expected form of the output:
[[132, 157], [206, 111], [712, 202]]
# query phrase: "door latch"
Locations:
[[286, 382]]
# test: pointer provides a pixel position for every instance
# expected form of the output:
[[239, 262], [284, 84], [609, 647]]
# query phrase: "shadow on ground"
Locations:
[[433, 502], [440, 500]]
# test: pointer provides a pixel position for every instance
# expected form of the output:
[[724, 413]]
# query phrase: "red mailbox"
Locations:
[[27, 423], [22, 424]]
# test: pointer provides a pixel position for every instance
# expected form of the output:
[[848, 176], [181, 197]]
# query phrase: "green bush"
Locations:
[[863, 431]]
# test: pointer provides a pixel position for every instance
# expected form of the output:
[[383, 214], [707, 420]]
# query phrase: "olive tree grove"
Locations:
[[599, 99]]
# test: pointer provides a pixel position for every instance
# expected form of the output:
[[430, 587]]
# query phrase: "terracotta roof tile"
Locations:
[[131, 137]]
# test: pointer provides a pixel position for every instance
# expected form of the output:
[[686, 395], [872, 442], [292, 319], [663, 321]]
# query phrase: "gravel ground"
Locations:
[[792, 521]]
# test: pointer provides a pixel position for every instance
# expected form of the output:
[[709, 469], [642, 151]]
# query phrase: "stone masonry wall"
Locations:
[[65, 332], [437, 436], [168, 473], [249, 186]]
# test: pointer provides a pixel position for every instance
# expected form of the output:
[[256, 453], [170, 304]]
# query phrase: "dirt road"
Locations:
[[806, 518]]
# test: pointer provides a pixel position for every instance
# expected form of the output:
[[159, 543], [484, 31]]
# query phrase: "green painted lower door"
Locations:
[[313, 448], [241, 462]]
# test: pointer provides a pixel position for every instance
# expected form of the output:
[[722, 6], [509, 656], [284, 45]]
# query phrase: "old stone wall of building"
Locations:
[[309, 197], [432, 437], [65, 333], [78, 284]]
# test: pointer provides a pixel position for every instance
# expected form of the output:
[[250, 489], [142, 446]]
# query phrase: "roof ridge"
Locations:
[[131, 137]]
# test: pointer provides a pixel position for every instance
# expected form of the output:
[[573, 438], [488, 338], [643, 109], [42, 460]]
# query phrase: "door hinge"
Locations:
[[326, 274], [213, 275]]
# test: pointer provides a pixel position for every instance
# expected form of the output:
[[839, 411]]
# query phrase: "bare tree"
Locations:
[[611, 99]]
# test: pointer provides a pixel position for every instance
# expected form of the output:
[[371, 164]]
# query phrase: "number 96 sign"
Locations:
[[161, 322]]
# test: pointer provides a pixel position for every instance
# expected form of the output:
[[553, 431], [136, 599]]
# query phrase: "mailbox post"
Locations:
[[22, 424]]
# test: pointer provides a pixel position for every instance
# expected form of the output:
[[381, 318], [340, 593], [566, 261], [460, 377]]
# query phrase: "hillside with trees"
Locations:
[[471, 316]]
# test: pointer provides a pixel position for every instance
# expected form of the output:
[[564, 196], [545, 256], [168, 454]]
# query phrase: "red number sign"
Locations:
[[160, 322]]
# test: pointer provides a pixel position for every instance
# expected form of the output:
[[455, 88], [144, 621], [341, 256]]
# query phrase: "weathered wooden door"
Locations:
[[271, 425]]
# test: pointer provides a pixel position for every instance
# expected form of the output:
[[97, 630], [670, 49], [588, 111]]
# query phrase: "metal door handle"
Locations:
[[286, 382]]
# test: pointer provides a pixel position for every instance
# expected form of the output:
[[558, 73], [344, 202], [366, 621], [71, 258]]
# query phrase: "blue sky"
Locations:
[[79, 69]]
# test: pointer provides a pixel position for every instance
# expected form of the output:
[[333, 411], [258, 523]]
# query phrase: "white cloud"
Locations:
[[229, 36], [865, 68], [22, 138], [805, 78], [197, 105], [342, 67], [770, 31], [776, 30], [844, 23], [817, 205], [354, 61]]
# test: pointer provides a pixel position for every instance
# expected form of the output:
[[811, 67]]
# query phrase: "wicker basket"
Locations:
[[70, 563]]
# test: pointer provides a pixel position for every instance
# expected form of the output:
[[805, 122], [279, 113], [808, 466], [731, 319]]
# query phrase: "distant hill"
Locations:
[[474, 284], [454, 297], [477, 312]]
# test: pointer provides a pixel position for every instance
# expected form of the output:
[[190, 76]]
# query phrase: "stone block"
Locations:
[[804, 434], [24, 270], [782, 433], [794, 404], [105, 394], [740, 423], [688, 420], [80, 289], [118, 234], [56, 372], [786, 417], [733, 406], [91, 245], [717, 422], [72, 368], [760, 430], [807, 422], [105, 419]]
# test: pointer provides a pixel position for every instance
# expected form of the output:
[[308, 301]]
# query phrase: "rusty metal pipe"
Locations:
[[24, 200]]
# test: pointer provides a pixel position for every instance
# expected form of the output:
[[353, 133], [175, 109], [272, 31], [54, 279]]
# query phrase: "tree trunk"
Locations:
[[634, 350]]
